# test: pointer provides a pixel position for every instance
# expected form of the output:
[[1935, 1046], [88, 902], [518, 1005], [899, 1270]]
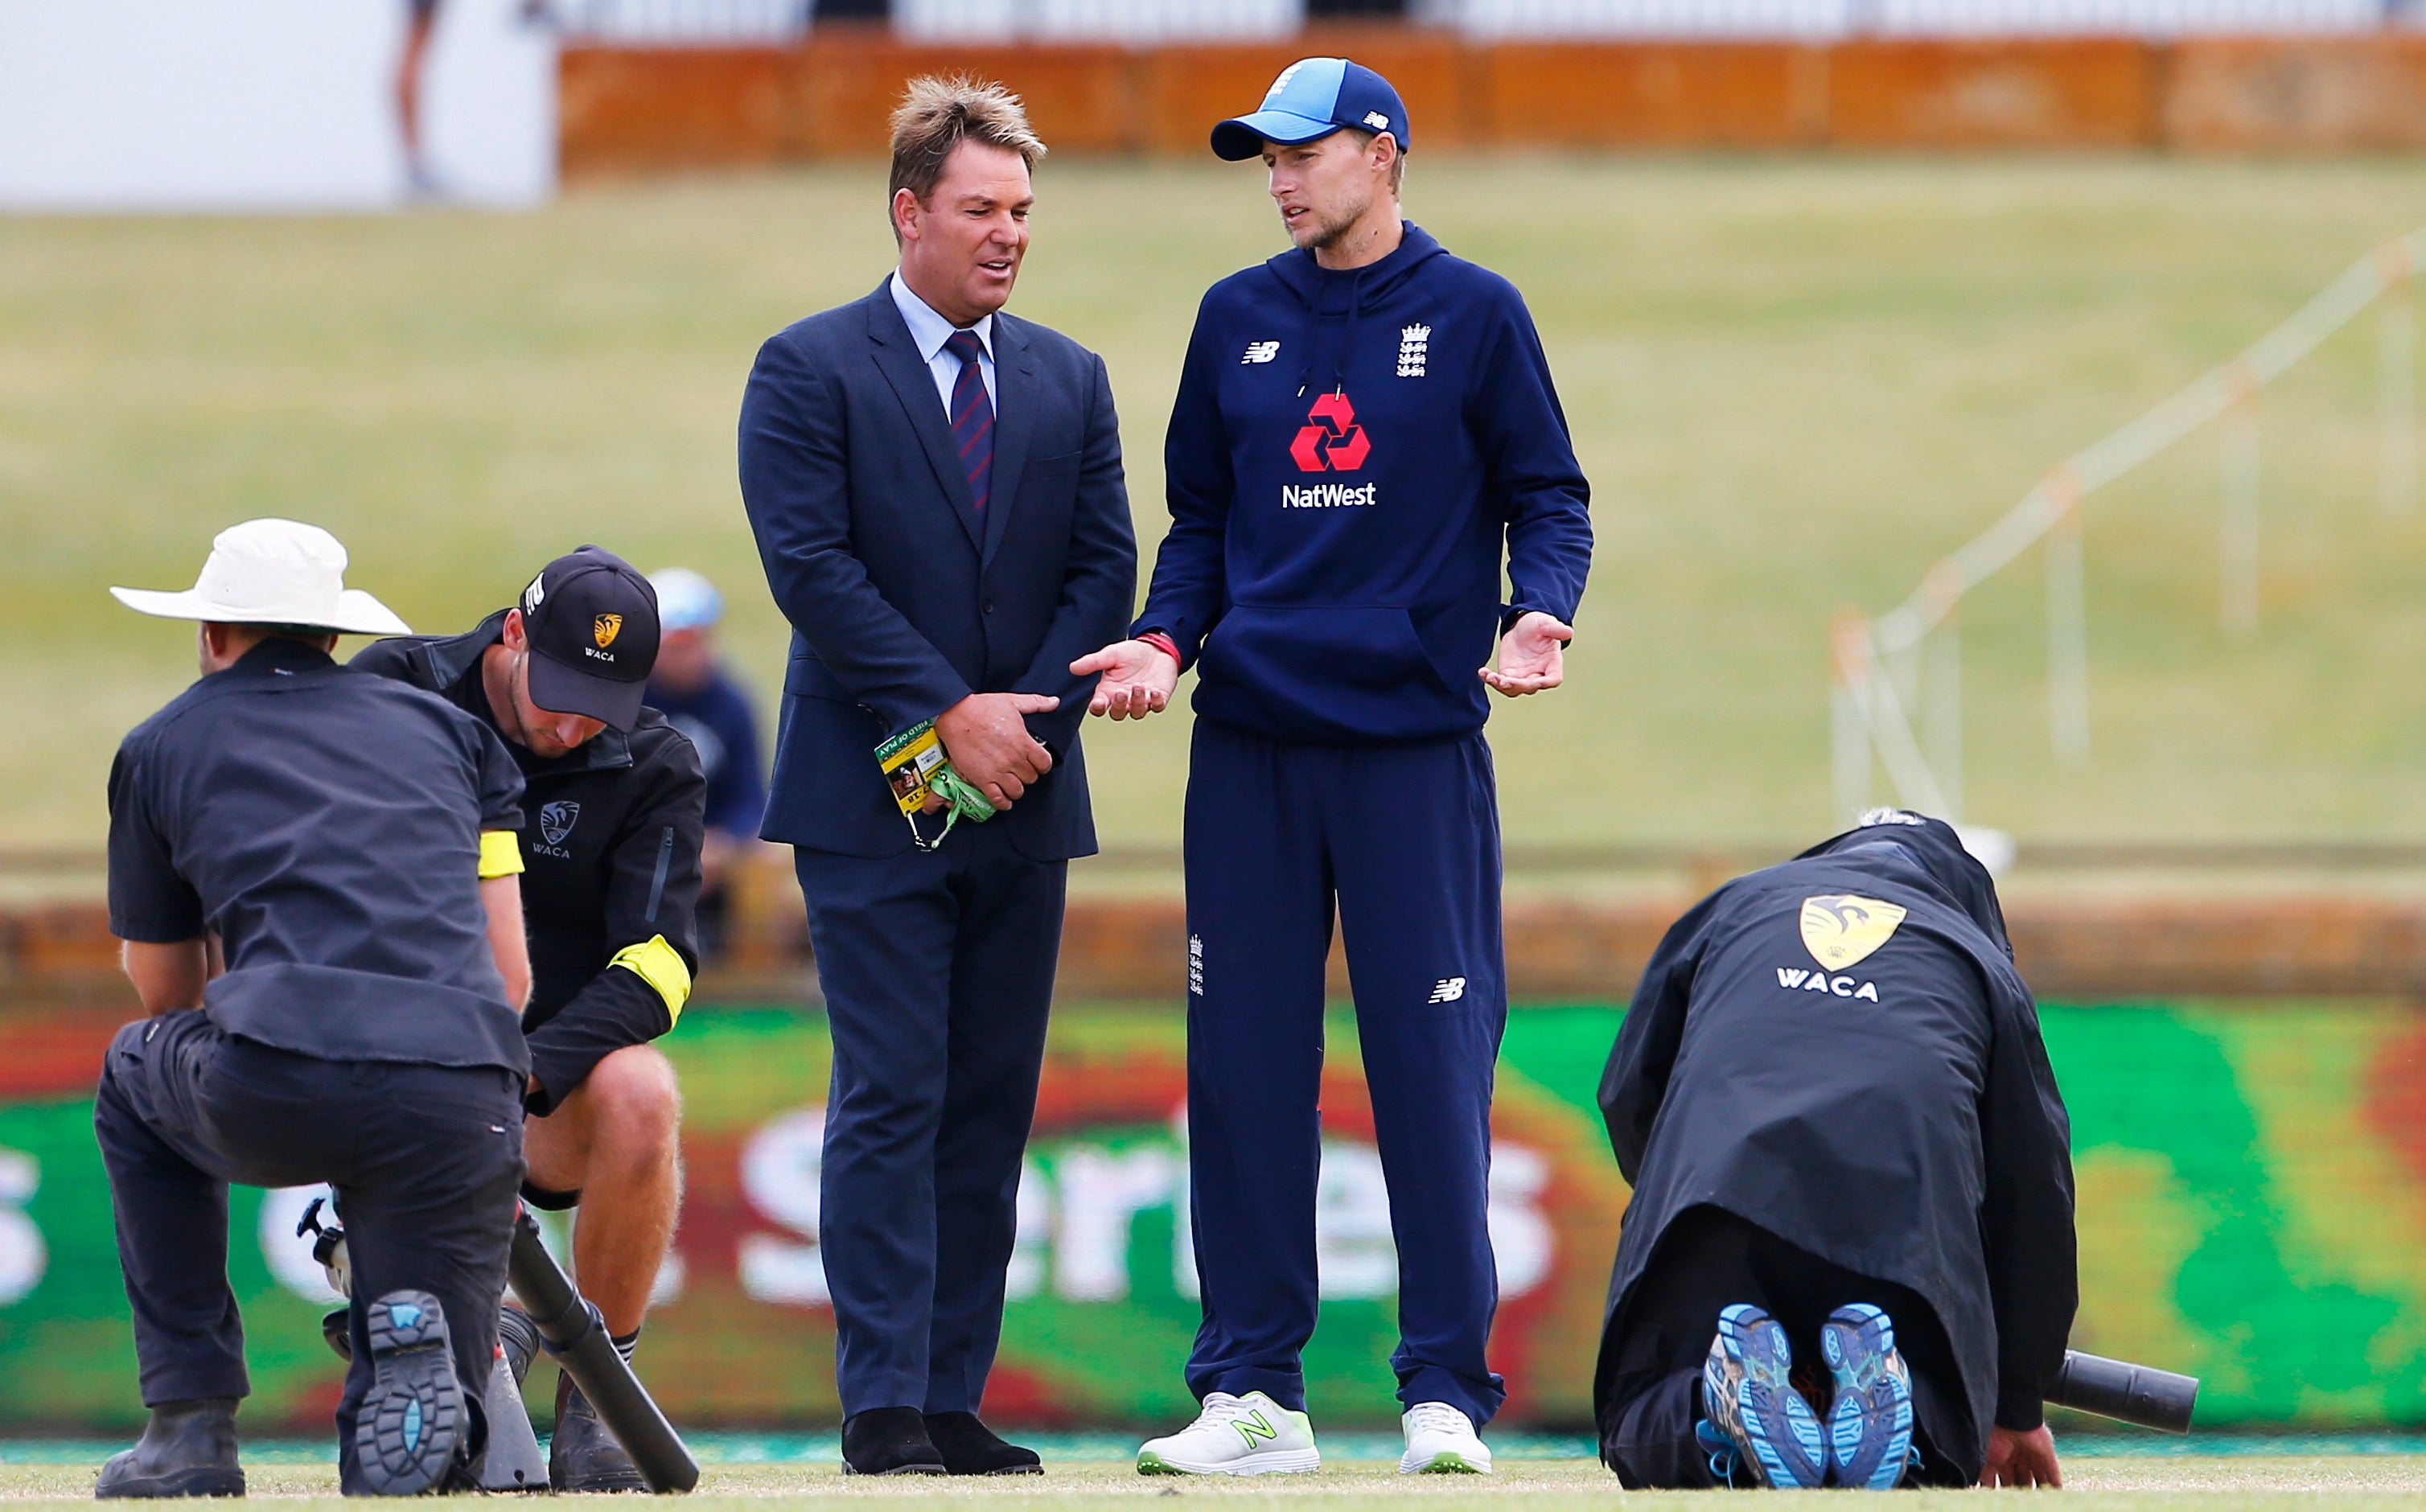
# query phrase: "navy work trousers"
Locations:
[[1404, 841], [425, 1160], [938, 974], [1650, 1392]]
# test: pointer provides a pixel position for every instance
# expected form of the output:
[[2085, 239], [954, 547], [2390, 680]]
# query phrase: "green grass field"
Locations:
[[1793, 381], [2324, 1483]]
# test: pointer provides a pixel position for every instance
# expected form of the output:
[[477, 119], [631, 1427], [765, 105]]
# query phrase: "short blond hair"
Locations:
[[937, 113]]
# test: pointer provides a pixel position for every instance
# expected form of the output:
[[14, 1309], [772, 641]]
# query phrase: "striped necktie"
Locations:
[[972, 415]]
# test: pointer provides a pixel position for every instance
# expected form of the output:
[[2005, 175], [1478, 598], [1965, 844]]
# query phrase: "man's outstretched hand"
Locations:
[[1137, 678], [990, 746], [1532, 655], [2021, 1459]]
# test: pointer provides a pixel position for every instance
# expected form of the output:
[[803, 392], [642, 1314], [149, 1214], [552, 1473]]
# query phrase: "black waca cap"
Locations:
[[592, 622]]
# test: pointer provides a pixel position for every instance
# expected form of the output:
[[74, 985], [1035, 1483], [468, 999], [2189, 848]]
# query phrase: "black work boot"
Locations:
[[187, 1449], [971, 1448], [889, 1440], [414, 1431], [584, 1456], [519, 1334]]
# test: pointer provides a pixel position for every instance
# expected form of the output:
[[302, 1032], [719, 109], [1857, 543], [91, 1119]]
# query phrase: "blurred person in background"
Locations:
[[1366, 430], [420, 25], [1848, 1259], [936, 568], [691, 688], [313, 873], [612, 802]]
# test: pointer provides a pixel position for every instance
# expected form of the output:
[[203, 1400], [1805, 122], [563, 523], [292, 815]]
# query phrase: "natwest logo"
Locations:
[[1332, 441]]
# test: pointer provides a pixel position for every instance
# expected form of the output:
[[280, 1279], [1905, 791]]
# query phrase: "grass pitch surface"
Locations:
[[2240, 1483], [1795, 382]]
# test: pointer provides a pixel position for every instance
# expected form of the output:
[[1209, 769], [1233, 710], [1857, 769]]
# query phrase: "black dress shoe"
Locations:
[[187, 1449], [889, 1440], [971, 1448]]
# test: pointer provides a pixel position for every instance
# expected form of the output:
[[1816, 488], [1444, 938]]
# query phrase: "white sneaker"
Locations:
[[1249, 1435], [1441, 1441]]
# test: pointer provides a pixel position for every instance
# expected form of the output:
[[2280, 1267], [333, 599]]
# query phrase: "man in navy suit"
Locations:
[[936, 492]]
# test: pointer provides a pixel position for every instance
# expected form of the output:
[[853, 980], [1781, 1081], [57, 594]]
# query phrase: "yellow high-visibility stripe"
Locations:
[[501, 854], [661, 966]]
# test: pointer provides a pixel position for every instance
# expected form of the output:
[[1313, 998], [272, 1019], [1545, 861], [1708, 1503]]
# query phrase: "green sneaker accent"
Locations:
[[1249, 1426], [1448, 1464], [1150, 1463]]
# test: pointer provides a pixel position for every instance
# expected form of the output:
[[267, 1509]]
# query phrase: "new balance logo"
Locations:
[[1447, 990], [1261, 351], [1257, 1425], [1841, 986]]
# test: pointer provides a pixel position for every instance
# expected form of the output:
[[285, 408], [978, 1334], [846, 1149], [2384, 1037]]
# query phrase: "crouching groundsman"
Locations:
[[1848, 1259], [313, 871], [613, 811]]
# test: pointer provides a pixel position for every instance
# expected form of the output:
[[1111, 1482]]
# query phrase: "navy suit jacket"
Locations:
[[903, 598]]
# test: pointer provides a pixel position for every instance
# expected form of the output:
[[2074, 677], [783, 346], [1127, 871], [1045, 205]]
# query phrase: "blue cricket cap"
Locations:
[[1315, 97]]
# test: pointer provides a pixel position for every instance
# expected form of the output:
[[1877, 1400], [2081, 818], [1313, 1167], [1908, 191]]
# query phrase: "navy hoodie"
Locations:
[[1347, 453]]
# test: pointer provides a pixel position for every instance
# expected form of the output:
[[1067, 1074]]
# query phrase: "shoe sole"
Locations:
[[1006, 1469], [1275, 1462], [899, 1470], [1857, 1341], [409, 1425], [1448, 1462], [1771, 1412], [202, 1480]]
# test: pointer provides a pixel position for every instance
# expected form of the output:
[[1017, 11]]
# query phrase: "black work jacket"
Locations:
[[611, 837], [326, 827], [1894, 1113]]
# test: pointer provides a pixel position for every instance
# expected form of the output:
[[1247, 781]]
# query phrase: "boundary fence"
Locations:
[[713, 23], [1896, 680], [628, 109]]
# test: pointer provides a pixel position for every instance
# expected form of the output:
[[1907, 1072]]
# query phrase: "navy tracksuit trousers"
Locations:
[[1404, 841], [938, 975], [425, 1161]]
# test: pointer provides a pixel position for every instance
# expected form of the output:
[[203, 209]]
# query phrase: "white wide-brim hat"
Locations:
[[272, 572]]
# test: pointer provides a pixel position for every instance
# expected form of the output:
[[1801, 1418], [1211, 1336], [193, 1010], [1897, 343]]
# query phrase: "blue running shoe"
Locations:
[[1718, 1450], [1746, 1395], [412, 1425], [1870, 1427]]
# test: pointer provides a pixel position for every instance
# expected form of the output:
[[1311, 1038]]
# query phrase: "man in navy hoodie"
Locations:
[[1365, 430]]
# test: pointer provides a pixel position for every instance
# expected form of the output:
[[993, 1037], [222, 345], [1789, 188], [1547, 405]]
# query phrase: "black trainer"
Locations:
[[187, 1449], [412, 1426], [585, 1456], [889, 1440], [971, 1448]]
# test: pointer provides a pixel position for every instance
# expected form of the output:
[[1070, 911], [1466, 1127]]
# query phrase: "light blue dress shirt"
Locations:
[[930, 330]]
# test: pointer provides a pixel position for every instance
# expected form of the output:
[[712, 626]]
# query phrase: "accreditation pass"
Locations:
[[909, 760]]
